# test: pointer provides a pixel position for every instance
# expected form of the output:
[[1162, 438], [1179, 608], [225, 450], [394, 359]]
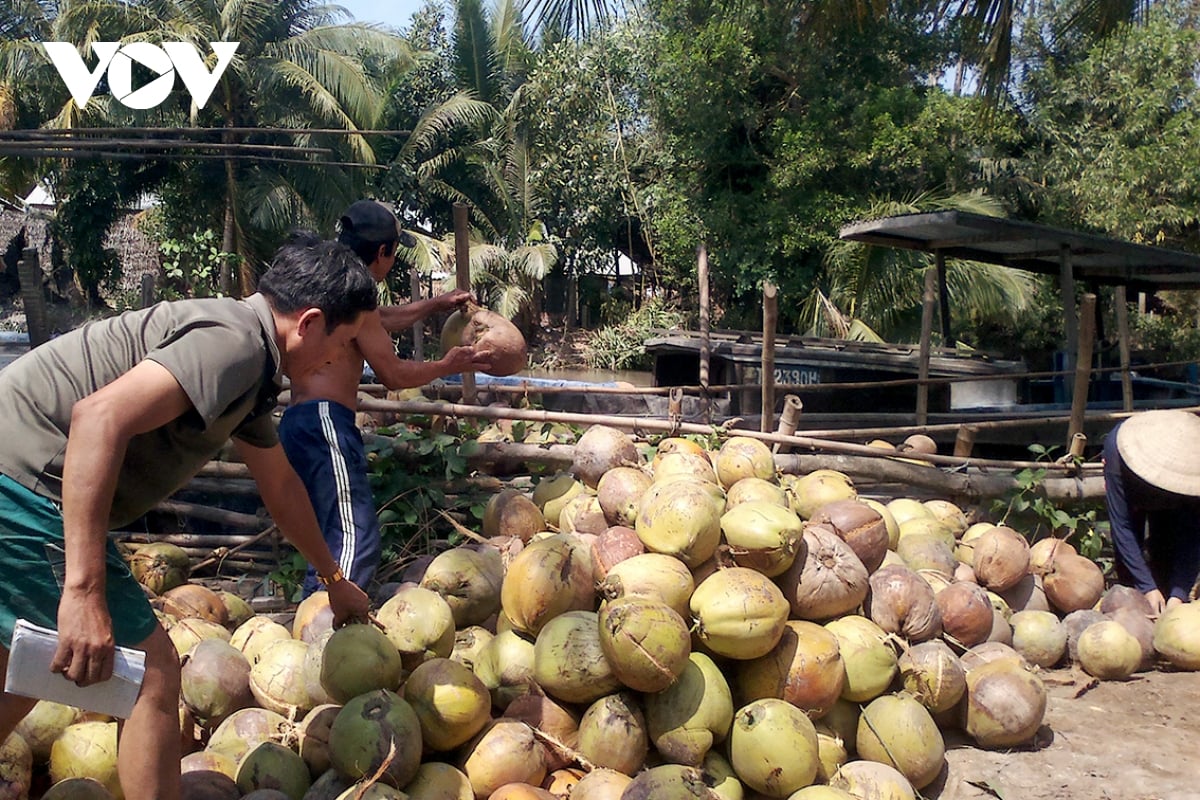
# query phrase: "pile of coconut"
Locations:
[[658, 624]]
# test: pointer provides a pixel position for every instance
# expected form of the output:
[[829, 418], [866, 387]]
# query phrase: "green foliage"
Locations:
[[622, 345], [289, 576], [192, 266], [1026, 509], [1166, 337], [410, 492]]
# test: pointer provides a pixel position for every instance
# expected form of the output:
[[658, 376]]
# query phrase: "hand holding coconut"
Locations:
[[487, 332]]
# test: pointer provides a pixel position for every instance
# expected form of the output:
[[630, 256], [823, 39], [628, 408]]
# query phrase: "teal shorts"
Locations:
[[33, 561]]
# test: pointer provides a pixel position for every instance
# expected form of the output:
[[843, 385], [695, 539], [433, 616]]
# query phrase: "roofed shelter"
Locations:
[[1071, 255]]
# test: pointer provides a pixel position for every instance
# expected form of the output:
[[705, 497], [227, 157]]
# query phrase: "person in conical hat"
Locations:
[[1152, 489]]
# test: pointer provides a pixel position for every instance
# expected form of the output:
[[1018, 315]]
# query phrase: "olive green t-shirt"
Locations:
[[222, 352]]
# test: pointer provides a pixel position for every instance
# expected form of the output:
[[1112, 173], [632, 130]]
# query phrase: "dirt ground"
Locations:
[[1132, 740]]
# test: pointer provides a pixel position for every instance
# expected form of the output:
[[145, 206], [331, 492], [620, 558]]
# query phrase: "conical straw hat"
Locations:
[[1163, 449]]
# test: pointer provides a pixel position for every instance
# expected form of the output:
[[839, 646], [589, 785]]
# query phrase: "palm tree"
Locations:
[[297, 68], [874, 293]]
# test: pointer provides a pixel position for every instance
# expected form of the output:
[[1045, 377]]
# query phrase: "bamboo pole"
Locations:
[[233, 519], [1122, 303], [1083, 365], [964, 441], [1066, 282], [770, 320], [418, 328], [641, 425], [792, 406], [927, 302], [462, 272]]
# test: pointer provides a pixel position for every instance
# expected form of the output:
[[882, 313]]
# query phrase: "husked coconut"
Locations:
[[487, 330], [859, 525], [1073, 583], [1001, 558], [826, 579], [600, 449], [901, 602]]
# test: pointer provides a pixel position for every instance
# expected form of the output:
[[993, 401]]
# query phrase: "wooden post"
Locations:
[[788, 420], [927, 303], [1083, 365], [770, 318], [462, 272], [939, 260], [705, 345], [29, 272], [1122, 302], [418, 328], [147, 289], [1066, 283], [964, 442]]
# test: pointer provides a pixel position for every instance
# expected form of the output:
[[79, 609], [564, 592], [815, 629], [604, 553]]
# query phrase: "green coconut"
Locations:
[[273, 766], [653, 576], [645, 641], [505, 666], [756, 490], [820, 487], [832, 751], [763, 536], [721, 777], [469, 581], [1039, 636], [551, 494], [687, 718], [681, 518], [358, 659], [743, 457], [328, 786], [42, 725], [613, 733], [1177, 636], [506, 752], [313, 617], [897, 730], [215, 681], [688, 465], [376, 730], [739, 613], [1109, 652], [190, 631], [873, 780], [450, 702], [419, 624], [669, 782], [550, 576], [599, 784], [870, 664], [237, 610], [208, 761], [569, 662], [805, 669], [160, 566], [773, 747], [87, 750], [438, 781]]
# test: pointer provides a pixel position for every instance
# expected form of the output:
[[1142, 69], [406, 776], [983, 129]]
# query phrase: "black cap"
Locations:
[[371, 221]]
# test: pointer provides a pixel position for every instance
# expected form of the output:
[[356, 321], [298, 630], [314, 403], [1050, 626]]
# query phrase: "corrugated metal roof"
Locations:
[[1029, 246]]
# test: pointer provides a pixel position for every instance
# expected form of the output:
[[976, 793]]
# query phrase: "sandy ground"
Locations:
[[1132, 740]]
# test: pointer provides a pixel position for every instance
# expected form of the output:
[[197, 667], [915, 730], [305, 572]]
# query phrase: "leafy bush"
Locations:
[[622, 346]]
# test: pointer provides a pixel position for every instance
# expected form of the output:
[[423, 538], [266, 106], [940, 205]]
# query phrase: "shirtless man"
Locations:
[[318, 431]]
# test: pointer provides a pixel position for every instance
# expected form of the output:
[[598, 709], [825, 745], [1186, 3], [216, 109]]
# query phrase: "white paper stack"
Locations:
[[29, 674]]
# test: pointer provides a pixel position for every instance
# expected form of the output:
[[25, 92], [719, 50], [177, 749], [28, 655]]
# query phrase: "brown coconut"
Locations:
[[600, 449], [1001, 558], [805, 669], [556, 726], [511, 513], [827, 579], [1043, 552], [613, 733], [1126, 597], [967, 614], [858, 525], [900, 601], [191, 600], [487, 331], [1073, 583], [620, 491]]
